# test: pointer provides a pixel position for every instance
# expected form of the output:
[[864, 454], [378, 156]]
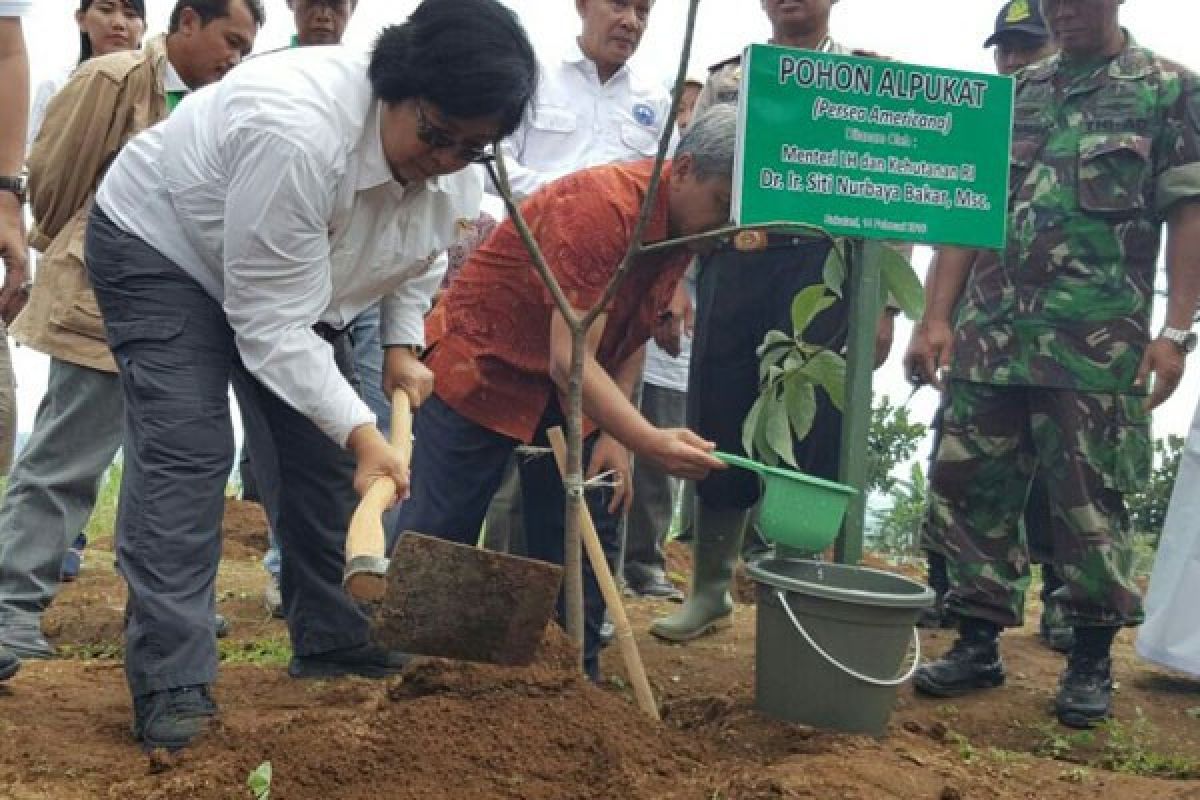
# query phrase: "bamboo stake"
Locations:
[[608, 587]]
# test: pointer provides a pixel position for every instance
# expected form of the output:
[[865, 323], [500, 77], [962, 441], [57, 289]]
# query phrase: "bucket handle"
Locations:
[[779, 595]]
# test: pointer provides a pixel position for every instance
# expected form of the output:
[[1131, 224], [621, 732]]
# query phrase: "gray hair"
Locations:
[[710, 140]]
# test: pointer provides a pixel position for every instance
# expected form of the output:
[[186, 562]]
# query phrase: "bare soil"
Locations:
[[453, 730]]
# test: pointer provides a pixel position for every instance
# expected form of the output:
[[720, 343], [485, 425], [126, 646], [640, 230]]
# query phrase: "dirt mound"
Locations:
[[243, 530], [446, 729]]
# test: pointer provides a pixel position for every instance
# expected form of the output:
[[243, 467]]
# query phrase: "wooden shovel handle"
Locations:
[[365, 536], [608, 587]]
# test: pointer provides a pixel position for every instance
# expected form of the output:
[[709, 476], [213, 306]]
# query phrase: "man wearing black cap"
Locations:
[[1021, 36]]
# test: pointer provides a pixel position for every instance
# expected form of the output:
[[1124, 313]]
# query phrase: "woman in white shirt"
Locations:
[[235, 242]]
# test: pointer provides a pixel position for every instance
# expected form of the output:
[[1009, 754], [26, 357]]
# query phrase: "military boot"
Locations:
[[1085, 689], [718, 539], [973, 662]]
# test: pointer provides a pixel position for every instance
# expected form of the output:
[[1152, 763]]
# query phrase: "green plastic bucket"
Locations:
[[797, 510], [834, 642]]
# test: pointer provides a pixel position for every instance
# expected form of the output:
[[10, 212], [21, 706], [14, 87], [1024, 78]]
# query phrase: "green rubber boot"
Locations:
[[718, 540]]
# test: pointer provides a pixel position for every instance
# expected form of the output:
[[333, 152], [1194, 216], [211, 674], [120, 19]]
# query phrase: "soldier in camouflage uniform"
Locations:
[[1019, 39], [1051, 356]]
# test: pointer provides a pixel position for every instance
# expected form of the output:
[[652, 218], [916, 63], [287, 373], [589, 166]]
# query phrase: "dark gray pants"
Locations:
[[176, 357], [645, 527]]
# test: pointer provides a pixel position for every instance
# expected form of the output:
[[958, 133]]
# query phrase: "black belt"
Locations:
[[328, 332]]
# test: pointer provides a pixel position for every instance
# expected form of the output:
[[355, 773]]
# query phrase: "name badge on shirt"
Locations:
[[644, 114]]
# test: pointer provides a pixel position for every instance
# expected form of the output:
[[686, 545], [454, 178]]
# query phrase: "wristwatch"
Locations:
[[1184, 340], [17, 184]]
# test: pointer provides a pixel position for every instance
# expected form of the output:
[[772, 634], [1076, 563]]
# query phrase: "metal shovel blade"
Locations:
[[452, 601]]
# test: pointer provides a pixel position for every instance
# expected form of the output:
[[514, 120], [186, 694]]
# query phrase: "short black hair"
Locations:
[[86, 50], [208, 10], [469, 58]]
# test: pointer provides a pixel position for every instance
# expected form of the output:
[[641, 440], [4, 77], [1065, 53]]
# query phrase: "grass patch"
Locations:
[[270, 652], [1125, 747], [92, 651]]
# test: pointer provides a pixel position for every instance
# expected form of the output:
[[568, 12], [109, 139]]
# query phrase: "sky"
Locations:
[[946, 33]]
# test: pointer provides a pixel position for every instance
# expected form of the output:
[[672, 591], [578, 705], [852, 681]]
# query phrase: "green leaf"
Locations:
[[801, 402], [260, 781], [809, 302], [897, 276], [834, 272], [778, 428], [773, 342], [828, 369], [750, 427]]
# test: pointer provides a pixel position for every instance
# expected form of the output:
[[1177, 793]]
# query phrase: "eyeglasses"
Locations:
[[441, 139]]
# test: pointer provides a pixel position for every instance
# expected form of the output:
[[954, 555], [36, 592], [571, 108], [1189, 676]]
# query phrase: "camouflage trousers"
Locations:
[[1088, 449]]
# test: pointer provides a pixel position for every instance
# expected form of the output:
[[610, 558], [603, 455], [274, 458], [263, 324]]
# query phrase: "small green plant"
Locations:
[[1127, 749], [948, 710], [1076, 775], [1053, 742], [791, 369], [966, 751], [92, 651], [269, 652], [259, 781]]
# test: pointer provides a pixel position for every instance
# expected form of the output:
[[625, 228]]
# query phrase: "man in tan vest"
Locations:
[[53, 484]]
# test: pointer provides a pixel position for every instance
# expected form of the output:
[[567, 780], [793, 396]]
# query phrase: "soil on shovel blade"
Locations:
[[454, 730]]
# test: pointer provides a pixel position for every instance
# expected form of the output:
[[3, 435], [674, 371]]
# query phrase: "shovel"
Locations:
[[365, 577], [439, 598]]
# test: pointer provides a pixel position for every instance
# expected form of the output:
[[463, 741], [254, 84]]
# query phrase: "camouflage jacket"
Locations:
[[1098, 159]]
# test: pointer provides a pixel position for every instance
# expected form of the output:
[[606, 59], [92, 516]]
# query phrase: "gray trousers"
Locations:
[[644, 529], [176, 357], [51, 492]]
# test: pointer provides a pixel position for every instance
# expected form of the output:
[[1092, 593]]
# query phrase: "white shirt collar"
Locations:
[[171, 80], [373, 166], [576, 57]]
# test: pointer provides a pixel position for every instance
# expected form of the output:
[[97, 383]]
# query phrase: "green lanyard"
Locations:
[[173, 99]]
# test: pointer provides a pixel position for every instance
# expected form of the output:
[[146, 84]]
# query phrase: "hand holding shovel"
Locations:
[[365, 577]]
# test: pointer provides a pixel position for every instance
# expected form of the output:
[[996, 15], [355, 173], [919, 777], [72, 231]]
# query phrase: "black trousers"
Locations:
[[740, 298], [176, 357], [457, 465]]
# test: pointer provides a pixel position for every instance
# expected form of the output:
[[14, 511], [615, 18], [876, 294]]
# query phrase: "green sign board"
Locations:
[[873, 149]]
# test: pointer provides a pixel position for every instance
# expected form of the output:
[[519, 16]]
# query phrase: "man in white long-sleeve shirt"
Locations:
[[235, 242], [591, 107]]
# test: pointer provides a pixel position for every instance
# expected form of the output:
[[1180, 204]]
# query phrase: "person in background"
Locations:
[[591, 108], [1170, 636], [687, 104], [234, 242], [14, 97], [105, 26], [1060, 374], [1020, 39], [78, 427], [500, 353], [321, 22], [740, 297], [661, 397]]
